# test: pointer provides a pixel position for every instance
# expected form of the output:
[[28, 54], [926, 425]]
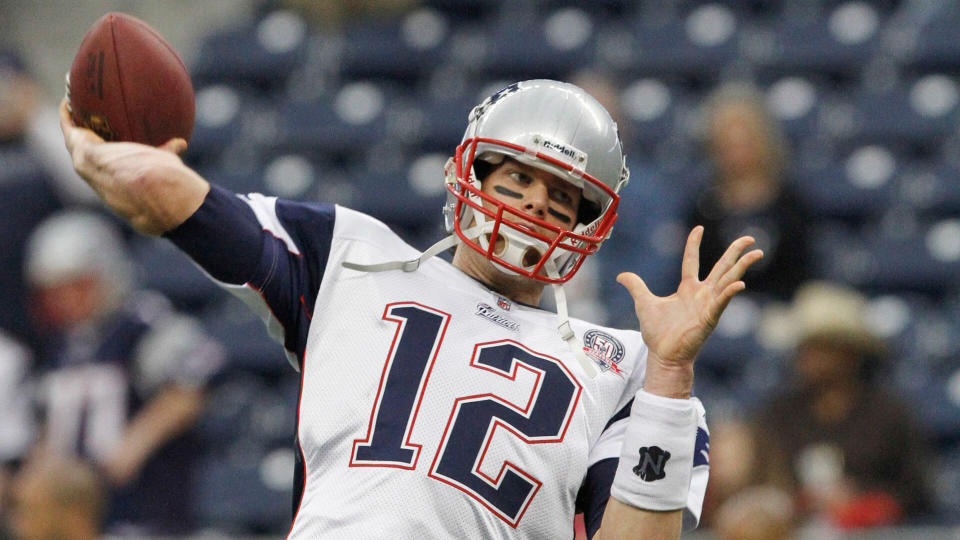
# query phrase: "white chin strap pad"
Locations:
[[563, 326]]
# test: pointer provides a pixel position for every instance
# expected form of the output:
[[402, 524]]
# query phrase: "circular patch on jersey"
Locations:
[[605, 349]]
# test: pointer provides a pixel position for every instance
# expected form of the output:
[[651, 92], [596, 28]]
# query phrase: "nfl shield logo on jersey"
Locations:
[[606, 350]]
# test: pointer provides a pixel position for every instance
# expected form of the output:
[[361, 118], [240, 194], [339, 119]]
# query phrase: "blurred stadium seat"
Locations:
[[245, 338], [347, 122], [697, 44], [262, 54], [165, 269], [838, 43], [928, 39], [856, 187], [549, 46], [417, 44], [920, 113]]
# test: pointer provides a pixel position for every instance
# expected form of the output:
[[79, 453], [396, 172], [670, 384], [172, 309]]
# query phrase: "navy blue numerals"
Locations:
[[420, 331], [474, 420], [543, 418]]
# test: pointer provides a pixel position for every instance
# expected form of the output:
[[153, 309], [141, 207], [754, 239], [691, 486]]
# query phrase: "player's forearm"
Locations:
[[166, 416], [622, 521], [154, 195], [160, 198]]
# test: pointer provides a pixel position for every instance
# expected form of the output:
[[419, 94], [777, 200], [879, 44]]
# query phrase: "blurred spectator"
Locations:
[[836, 436], [123, 376], [757, 513], [16, 423], [36, 179], [58, 498], [749, 194], [733, 462]]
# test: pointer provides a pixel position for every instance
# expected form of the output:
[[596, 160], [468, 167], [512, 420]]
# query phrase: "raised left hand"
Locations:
[[676, 326]]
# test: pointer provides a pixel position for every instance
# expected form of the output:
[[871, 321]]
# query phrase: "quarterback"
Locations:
[[436, 399]]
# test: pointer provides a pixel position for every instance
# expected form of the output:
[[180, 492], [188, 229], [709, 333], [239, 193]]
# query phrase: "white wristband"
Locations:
[[656, 460]]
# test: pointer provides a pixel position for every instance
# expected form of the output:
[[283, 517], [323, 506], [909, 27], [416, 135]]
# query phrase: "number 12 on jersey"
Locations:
[[473, 419]]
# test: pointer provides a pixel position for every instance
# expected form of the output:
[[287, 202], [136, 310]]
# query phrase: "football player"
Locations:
[[436, 399]]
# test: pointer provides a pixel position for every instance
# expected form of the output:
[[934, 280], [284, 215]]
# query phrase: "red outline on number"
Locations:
[[423, 385], [498, 423]]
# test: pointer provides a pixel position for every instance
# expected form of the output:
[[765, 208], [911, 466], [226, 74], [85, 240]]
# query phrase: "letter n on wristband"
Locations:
[[656, 460]]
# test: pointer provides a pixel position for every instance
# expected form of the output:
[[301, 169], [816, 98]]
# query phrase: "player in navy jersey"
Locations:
[[122, 377], [436, 400]]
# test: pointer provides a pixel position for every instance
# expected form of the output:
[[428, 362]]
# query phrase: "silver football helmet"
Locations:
[[556, 127]]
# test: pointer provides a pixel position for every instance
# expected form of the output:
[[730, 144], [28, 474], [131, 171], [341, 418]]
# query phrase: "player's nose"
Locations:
[[536, 199]]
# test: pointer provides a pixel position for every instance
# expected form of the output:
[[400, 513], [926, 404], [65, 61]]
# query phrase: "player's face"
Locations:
[[536, 192], [738, 143], [67, 303], [820, 362]]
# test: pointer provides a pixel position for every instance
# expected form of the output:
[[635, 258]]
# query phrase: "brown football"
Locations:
[[128, 84]]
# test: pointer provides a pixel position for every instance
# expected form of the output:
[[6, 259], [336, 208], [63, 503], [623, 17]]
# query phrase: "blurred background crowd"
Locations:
[[137, 398]]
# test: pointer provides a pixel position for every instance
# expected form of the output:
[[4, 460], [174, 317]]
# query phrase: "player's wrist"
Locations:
[[668, 379], [656, 459]]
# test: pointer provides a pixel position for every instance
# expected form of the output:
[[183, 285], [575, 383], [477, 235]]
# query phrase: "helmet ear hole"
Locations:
[[482, 169], [588, 211], [531, 256]]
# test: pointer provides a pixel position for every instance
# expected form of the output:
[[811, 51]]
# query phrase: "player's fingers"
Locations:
[[690, 267], [738, 269], [73, 136], [175, 145], [66, 124], [635, 286], [729, 258], [724, 300]]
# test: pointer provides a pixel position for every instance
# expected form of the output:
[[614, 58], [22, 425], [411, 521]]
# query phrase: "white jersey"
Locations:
[[430, 406]]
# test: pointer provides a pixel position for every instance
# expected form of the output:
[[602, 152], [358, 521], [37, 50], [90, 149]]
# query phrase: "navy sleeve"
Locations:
[[223, 236], [595, 492], [277, 248]]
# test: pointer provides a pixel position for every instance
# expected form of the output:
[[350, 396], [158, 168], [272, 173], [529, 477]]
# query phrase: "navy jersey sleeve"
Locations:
[[269, 252]]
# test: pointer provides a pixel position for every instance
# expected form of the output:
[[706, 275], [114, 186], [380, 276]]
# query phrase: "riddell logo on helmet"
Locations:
[[561, 149]]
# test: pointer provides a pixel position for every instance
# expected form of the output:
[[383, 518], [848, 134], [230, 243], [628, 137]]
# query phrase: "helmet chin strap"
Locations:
[[412, 264], [563, 328]]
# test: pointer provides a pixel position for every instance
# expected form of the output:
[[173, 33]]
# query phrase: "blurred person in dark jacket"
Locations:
[[749, 193], [36, 179], [838, 438], [17, 429], [122, 376]]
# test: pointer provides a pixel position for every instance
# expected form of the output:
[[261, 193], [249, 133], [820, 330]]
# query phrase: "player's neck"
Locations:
[[518, 288]]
